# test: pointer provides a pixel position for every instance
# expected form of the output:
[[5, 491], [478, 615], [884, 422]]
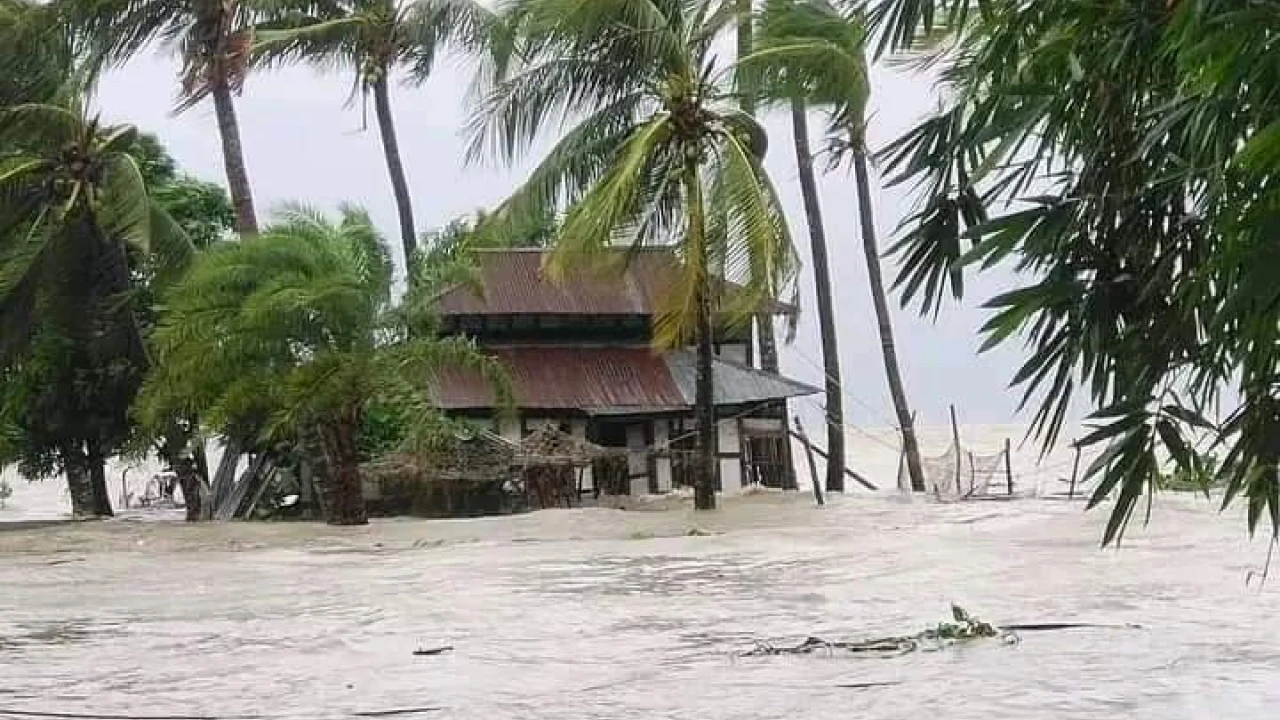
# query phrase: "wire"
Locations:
[[892, 422], [855, 428], [667, 444]]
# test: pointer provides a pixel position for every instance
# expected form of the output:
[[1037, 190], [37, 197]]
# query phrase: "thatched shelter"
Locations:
[[465, 473], [551, 463]]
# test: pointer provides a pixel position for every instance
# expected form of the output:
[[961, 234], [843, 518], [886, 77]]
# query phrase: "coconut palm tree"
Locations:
[[296, 328], [747, 100], [76, 226], [658, 148], [371, 39], [35, 56], [211, 37], [809, 50]]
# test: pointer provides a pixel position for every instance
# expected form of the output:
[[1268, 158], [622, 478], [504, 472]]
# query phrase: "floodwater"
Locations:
[[595, 613]]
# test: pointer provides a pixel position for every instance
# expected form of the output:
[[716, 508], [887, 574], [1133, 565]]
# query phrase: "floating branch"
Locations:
[[966, 627]]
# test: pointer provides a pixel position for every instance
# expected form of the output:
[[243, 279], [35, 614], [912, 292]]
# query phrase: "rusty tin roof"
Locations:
[[514, 284], [609, 380]]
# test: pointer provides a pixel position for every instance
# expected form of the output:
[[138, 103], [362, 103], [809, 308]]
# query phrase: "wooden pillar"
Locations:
[[788, 459], [813, 464]]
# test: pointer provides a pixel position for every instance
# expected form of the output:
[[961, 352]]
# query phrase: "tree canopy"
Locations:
[[1122, 157], [292, 334]]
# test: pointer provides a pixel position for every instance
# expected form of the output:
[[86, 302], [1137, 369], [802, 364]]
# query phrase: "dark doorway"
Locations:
[[610, 473]]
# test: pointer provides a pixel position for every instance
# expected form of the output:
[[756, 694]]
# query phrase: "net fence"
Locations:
[[960, 474]]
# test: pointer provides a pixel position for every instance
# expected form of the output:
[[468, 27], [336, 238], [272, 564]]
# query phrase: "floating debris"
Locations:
[[433, 651], [965, 628]]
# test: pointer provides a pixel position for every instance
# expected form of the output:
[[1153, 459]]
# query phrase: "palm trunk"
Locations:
[[189, 481], [768, 339], [233, 159], [200, 461], [98, 481], [399, 184], [746, 43], [704, 405], [317, 458], [826, 309], [345, 504], [870, 247], [241, 198], [79, 484]]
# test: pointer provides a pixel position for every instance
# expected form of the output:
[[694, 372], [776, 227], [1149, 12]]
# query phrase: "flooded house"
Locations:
[[580, 355]]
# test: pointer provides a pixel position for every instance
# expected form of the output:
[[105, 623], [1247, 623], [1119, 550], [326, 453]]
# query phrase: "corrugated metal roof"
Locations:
[[734, 384], [571, 378], [611, 380], [514, 284]]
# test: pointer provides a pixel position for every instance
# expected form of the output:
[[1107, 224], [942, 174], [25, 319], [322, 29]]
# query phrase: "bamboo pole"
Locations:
[[1008, 466], [955, 436], [823, 454], [813, 464], [1075, 470]]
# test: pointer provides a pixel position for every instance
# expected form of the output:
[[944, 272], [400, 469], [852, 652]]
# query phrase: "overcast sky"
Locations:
[[301, 144]]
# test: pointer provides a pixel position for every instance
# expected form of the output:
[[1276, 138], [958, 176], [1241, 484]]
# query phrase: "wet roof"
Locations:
[[514, 284], [611, 380], [735, 384]]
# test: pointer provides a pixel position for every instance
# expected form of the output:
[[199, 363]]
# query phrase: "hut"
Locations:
[[552, 463], [465, 472]]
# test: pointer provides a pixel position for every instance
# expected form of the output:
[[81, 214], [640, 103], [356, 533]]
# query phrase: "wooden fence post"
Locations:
[[955, 437], [1075, 470], [1008, 466]]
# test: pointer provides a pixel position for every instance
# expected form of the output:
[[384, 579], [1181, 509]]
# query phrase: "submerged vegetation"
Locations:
[[1121, 157], [964, 628]]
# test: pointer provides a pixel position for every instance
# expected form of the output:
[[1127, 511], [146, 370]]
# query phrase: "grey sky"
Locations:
[[301, 144]]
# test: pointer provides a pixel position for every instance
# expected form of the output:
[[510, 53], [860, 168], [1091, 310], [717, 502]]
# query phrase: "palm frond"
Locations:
[[40, 125], [809, 49], [327, 44], [172, 251], [575, 164], [613, 203], [124, 211], [432, 26], [758, 250]]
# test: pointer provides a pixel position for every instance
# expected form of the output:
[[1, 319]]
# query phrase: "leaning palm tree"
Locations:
[[76, 225], [811, 51], [212, 39], [295, 329], [371, 39], [658, 148]]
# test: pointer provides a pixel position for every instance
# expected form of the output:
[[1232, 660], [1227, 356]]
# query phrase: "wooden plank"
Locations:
[[822, 454], [813, 464]]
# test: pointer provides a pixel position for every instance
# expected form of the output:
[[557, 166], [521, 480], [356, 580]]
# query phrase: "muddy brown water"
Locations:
[[615, 614]]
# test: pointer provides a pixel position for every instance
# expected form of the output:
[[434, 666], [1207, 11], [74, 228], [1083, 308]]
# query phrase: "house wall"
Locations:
[[663, 464], [730, 456], [637, 459], [578, 428], [734, 352]]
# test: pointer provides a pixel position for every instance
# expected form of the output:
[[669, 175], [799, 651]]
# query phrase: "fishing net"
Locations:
[[961, 474]]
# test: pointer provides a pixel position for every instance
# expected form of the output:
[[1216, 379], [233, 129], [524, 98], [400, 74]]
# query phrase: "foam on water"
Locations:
[[605, 613]]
